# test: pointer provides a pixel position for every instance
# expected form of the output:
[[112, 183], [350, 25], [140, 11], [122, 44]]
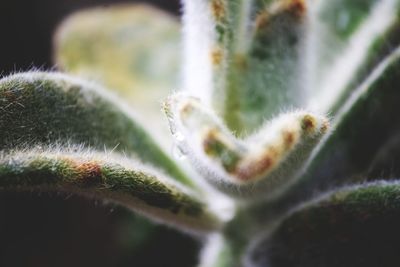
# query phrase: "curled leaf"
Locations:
[[263, 163], [360, 130]]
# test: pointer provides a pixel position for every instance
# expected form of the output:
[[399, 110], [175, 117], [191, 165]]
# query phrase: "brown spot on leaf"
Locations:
[[218, 9], [216, 56], [308, 123], [210, 140], [187, 109], [89, 172], [257, 167], [297, 8], [215, 145], [289, 138]]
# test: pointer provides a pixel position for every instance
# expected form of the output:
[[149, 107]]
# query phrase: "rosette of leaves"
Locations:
[[287, 108]]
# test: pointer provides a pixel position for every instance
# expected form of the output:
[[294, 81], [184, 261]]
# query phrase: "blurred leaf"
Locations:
[[386, 163], [342, 17], [132, 48], [359, 133], [242, 58], [353, 227], [361, 127], [263, 75], [348, 40]]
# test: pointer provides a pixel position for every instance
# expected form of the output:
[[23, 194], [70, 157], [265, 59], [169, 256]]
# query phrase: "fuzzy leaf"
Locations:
[[359, 132], [263, 77], [242, 59], [52, 108], [353, 227], [133, 49], [361, 127], [110, 178], [262, 164], [348, 40], [386, 163]]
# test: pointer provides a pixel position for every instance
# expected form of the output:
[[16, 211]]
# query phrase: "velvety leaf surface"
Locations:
[[354, 227], [260, 166], [263, 73], [47, 123], [386, 164], [51, 108], [361, 129], [242, 58], [110, 178]]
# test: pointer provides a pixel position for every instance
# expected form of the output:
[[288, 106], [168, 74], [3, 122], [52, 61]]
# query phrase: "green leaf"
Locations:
[[349, 39], [110, 178], [49, 108], [260, 166], [243, 59], [131, 48], [360, 130], [343, 18], [381, 47], [263, 76], [352, 227], [386, 163]]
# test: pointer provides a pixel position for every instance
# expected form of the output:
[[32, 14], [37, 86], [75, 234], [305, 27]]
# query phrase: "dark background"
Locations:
[[61, 230], [27, 27]]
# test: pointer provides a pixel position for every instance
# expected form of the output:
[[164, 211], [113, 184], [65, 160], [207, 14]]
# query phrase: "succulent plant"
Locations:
[[284, 126]]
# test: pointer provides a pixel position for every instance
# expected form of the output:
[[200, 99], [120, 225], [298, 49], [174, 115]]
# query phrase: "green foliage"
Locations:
[[300, 188], [351, 227], [46, 109], [87, 173]]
